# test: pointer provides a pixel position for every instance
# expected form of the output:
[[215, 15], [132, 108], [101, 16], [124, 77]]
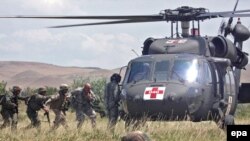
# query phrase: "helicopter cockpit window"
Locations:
[[208, 74], [140, 71], [185, 70], [161, 70]]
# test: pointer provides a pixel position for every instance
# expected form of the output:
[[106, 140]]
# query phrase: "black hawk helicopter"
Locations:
[[184, 76]]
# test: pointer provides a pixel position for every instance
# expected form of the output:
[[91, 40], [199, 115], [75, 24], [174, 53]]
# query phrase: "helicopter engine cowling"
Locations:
[[146, 45], [224, 48], [189, 45]]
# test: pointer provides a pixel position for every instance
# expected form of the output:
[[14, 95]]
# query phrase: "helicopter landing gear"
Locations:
[[228, 120], [225, 121]]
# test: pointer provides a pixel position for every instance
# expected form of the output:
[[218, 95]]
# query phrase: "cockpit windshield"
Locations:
[[140, 71], [183, 70]]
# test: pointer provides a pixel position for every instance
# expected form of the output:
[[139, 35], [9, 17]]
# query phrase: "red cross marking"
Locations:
[[154, 92]]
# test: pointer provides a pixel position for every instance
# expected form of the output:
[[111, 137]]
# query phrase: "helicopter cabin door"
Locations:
[[230, 95]]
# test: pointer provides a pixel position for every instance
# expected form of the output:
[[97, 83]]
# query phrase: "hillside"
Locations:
[[40, 74], [34, 74]]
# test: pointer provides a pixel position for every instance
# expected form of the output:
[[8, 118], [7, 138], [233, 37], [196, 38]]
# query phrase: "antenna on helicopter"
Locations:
[[228, 28], [135, 52]]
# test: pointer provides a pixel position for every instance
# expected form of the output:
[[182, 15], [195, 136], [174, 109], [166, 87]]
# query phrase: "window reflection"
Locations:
[[185, 70]]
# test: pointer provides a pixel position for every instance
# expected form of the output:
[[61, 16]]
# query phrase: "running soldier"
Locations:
[[36, 103], [112, 98], [9, 110], [58, 104], [82, 99]]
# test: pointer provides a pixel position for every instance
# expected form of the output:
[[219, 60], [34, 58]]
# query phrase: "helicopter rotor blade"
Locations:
[[105, 23], [231, 15], [125, 17], [224, 12], [138, 21]]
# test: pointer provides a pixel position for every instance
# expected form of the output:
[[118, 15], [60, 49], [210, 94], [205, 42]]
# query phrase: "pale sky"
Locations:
[[105, 46]]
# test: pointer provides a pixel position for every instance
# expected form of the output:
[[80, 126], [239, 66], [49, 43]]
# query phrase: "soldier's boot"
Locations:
[[37, 125], [14, 122], [55, 125], [6, 123], [93, 122], [111, 124], [13, 126], [29, 126], [79, 124]]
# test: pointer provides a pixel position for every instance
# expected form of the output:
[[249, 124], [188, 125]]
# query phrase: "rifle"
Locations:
[[47, 115]]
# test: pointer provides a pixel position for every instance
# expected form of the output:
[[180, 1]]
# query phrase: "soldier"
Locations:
[[112, 98], [57, 104], [9, 110], [35, 103], [82, 99]]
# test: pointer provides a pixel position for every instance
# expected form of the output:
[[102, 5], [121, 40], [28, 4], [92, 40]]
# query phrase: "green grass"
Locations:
[[158, 131]]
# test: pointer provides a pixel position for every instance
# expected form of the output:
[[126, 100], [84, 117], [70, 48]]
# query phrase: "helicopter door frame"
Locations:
[[209, 76], [230, 94]]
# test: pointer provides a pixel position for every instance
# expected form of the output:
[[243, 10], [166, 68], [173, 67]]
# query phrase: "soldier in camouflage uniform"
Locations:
[[112, 98], [35, 103], [9, 110], [57, 104], [82, 99]]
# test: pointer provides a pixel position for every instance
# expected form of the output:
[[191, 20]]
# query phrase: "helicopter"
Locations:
[[184, 76]]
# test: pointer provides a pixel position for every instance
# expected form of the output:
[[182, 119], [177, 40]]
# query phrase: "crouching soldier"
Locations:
[[112, 98], [82, 99], [57, 104], [9, 110], [35, 103]]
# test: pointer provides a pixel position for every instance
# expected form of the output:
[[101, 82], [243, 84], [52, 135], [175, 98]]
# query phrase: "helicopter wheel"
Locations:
[[228, 120]]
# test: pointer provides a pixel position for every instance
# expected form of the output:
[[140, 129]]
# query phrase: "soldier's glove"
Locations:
[[46, 110], [89, 97]]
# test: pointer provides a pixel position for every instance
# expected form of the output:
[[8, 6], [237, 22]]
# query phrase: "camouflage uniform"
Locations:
[[112, 98], [9, 110], [57, 103], [83, 105], [36, 103]]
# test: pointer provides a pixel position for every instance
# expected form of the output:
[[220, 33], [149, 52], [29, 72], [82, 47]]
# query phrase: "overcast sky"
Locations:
[[106, 46]]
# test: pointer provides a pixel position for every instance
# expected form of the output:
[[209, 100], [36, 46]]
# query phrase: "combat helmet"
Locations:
[[64, 87], [115, 77], [16, 89], [42, 90]]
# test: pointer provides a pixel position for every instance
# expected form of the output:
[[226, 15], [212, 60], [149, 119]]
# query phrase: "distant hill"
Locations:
[[34, 74]]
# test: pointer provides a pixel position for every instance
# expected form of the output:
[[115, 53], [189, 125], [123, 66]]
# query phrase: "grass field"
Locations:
[[158, 131]]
